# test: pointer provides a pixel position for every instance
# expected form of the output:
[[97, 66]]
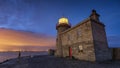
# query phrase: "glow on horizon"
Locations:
[[11, 40]]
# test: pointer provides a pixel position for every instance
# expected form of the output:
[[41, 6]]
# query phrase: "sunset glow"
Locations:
[[11, 40], [41, 16]]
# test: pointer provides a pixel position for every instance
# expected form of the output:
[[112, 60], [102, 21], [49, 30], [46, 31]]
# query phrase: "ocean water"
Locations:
[[8, 55]]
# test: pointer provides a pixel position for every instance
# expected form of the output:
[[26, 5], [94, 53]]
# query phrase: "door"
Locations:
[[70, 52]]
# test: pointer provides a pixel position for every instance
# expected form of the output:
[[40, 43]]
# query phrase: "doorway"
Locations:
[[70, 52]]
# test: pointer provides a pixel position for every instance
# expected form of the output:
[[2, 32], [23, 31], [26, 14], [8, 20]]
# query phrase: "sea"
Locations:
[[10, 54]]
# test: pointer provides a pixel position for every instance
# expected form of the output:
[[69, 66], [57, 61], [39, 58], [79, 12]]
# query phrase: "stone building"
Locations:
[[85, 41]]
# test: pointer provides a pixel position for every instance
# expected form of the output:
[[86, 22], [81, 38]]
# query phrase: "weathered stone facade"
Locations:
[[87, 40]]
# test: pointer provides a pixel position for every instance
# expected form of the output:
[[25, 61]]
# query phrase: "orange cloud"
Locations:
[[11, 38]]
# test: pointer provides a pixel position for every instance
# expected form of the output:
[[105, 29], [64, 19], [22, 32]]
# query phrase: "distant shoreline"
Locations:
[[22, 51], [6, 55], [21, 57]]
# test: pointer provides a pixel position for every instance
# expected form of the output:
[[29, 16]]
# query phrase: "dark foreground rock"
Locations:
[[54, 62]]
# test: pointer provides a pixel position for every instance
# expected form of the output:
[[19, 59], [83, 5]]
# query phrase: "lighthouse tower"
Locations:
[[62, 25]]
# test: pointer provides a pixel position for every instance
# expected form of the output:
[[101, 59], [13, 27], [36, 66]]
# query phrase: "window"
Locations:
[[87, 26], [56, 39], [68, 37], [80, 48], [78, 33]]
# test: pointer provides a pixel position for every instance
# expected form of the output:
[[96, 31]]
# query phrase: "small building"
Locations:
[[84, 41], [51, 52], [116, 53]]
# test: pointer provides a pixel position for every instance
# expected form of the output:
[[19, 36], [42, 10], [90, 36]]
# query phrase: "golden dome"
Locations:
[[63, 20]]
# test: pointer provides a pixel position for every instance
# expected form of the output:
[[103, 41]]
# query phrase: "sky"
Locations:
[[12, 40], [41, 16]]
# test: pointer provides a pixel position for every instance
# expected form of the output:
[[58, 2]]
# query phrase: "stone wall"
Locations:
[[102, 52], [59, 49]]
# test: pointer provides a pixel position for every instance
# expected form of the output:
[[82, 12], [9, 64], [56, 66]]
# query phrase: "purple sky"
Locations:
[[41, 16]]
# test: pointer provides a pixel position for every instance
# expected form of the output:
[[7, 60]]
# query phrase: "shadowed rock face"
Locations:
[[53, 62]]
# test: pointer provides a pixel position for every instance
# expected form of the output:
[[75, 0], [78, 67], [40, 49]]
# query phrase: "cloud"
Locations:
[[28, 15], [11, 39], [15, 14]]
